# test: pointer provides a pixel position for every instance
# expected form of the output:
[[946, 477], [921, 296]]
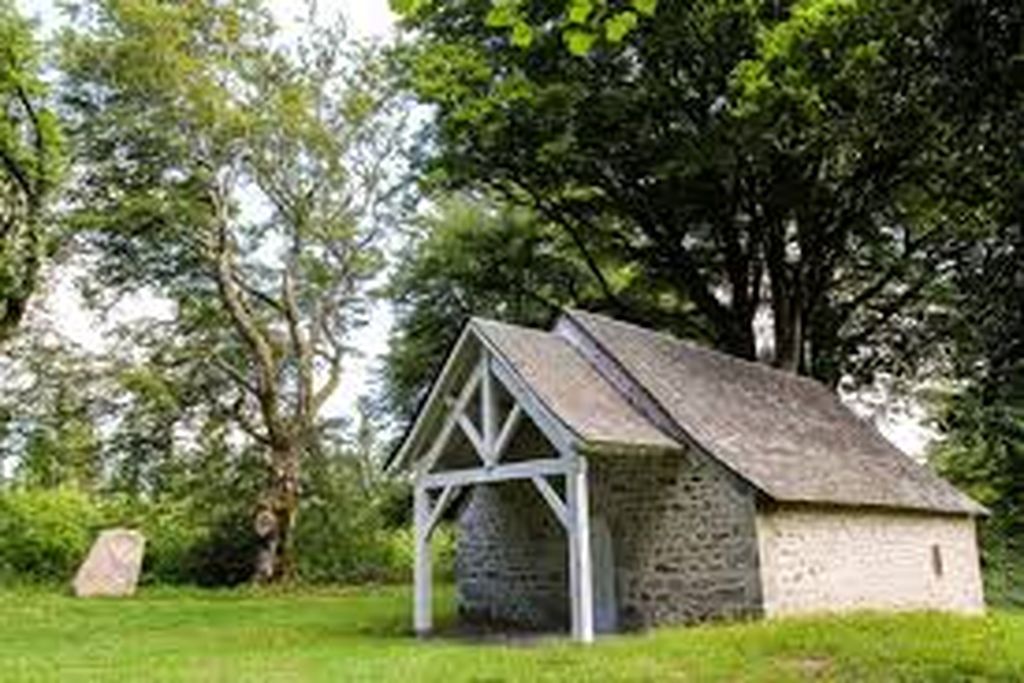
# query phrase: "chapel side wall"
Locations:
[[511, 559], [827, 560], [684, 538]]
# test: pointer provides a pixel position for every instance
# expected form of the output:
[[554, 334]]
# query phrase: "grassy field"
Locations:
[[362, 634]]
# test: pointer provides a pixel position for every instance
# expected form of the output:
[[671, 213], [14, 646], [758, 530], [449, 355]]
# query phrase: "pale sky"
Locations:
[[368, 18]]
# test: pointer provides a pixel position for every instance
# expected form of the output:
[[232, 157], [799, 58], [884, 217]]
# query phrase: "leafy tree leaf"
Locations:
[[579, 41], [504, 14], [579, 11], [401, 7], [617, 26], [646, 8], [522, 34]]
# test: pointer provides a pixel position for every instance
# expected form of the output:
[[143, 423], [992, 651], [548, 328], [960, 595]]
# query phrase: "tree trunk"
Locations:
[[785, 282], [275, 518], [788, 334], [741, 341]]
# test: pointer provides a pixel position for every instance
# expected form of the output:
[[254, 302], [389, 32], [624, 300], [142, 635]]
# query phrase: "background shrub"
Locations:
[[401, 551], [187, 544], [1002, 561], [44, 534], [352, 527], [348, 532]]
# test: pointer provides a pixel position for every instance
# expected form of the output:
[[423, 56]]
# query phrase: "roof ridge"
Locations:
[[756, 365], [479, 319], [583, 440], [643, 400], [621, 369]]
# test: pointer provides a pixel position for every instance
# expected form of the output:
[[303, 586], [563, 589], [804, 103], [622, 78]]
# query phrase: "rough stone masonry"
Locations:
[[684, 539]]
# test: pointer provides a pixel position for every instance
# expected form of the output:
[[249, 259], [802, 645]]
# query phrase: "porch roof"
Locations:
[[574, 392]]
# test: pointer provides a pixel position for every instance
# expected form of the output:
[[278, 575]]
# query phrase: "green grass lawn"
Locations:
[[362, 634]]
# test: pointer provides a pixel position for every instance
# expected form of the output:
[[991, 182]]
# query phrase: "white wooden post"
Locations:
[[581, 584], [488, 412], [508, 429], [422, 570]]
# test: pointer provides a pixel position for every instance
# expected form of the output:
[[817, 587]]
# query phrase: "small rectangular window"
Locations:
[[937, 560]]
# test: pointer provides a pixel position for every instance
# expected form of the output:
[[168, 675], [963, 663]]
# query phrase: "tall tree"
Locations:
[[739, 154], [239, 175], [470, 257], [63, 448], [475, 255], [30, 160], [54, 399], [983, 414]]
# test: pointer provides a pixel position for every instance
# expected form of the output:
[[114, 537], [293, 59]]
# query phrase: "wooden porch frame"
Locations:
[[490, 443]]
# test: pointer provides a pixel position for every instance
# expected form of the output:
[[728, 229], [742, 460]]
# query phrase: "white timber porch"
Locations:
[[470, 408]]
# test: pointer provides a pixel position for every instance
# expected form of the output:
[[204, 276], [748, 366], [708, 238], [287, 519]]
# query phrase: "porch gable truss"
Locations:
[[436, 489]]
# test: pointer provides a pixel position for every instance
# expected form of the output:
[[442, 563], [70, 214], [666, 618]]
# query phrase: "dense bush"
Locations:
[[354, 528], [401, 553], [1002, 557], [345, 535], [983, 454], [189, 545], [44, 534], [222, 556]]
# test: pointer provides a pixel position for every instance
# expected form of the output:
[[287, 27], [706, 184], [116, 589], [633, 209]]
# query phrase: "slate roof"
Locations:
[[789, 436], [572, 389]]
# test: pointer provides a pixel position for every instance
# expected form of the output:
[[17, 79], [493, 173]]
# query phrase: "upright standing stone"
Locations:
[[113, 565]]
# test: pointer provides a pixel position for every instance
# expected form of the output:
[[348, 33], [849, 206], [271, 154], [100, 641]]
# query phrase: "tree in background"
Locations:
[[239, 176], [54, 399], [141, 453], [30, 161], [982, 413], [582, 23], [740, 155], [473, 257], [925, 97]]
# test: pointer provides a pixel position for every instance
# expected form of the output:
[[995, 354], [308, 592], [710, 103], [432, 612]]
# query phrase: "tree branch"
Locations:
[[241, 317]]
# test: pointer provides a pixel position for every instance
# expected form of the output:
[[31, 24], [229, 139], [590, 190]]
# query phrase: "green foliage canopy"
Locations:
[[582, 23], [473, 257], [736, 153]]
